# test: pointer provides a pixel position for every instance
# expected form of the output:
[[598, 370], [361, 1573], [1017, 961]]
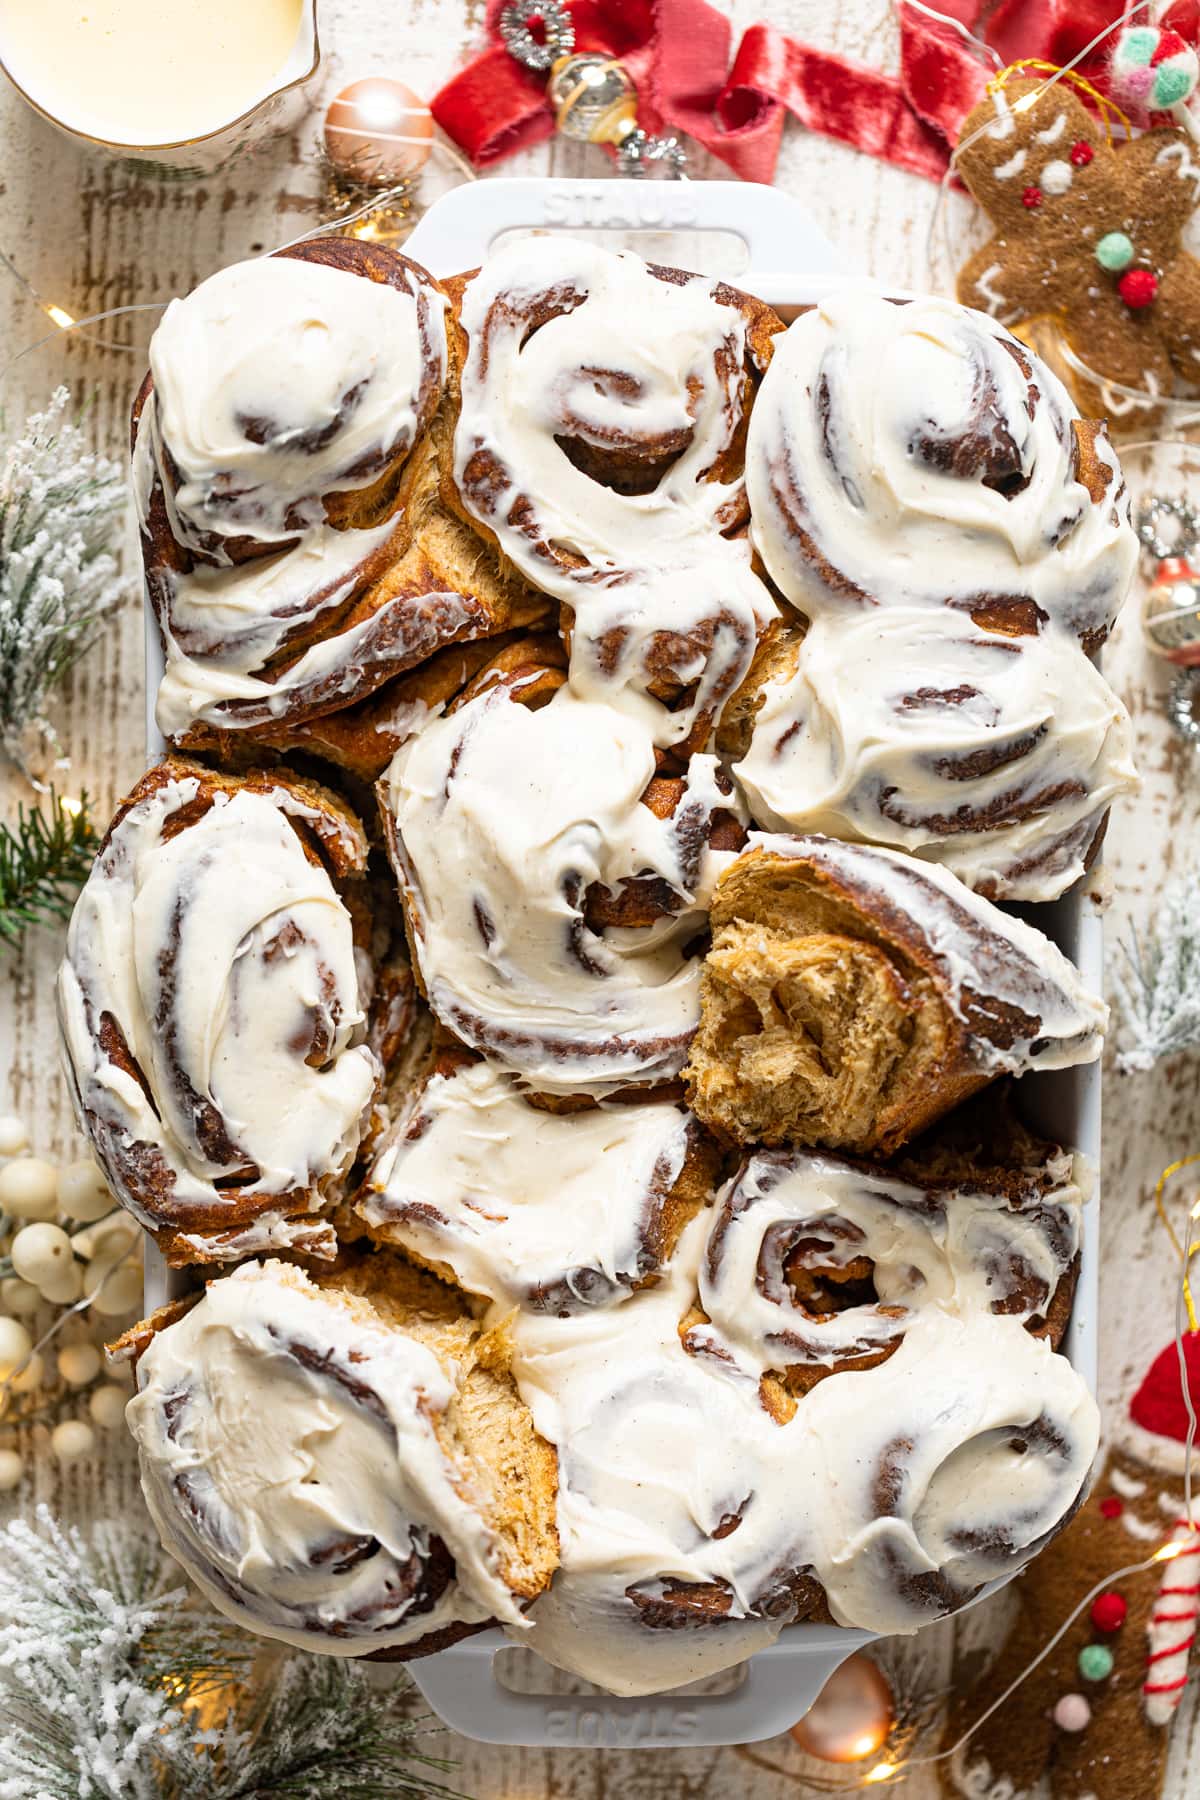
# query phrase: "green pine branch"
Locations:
[[44, 860]]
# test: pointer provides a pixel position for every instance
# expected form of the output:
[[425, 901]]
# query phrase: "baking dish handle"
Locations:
[[780, 1685], [779, 235]]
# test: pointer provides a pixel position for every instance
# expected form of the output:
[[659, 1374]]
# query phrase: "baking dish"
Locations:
[[764, 241]]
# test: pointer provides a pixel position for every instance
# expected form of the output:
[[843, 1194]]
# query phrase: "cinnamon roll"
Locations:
[[344, 1464], [286, 481], [998, 757], [815, 1264], [917, 454], [695, 1521], [607, 464], [553, 1212], [213, 1009], [555, 885], [852, 996]]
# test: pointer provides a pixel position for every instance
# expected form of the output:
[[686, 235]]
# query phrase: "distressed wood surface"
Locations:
[[90, 235]]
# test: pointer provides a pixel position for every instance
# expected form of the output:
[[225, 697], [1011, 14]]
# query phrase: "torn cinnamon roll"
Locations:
[[816, 1265], [852, 996], [555, 884], [286, 482], [344, 1463], [607, 464], [213, 1007], [550, 1211], [998, 757], [916, 453]]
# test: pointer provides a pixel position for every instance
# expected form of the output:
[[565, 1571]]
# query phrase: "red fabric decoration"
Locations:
[[1082, 153], [1184, 17], [1158, 1404], [1138, 288], [1031, 198], [1169, 44], [1108, 1612], [1111, 1507], [678, 53]]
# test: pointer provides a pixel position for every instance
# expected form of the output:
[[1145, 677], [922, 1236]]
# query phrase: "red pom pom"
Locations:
[[1082, 153], [1032, 197], [1169, 44], [1138, 288], [1111, 1507], [1108, 1612]]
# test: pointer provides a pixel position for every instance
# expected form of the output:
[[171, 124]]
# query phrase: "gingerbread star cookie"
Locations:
[[1086, 231]]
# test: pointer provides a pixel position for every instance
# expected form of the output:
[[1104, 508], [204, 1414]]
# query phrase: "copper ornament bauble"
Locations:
[[378, 132], [852, 1715], [1171, 613], [593, 98]]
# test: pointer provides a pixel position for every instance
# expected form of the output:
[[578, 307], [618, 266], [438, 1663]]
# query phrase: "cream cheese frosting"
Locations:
[[997, 757], [672, 1471], [291, 1461], [554, 358], [225, 957], [544, 1210], [793, 1213], [279, 382], [912, 455], [503, 818]]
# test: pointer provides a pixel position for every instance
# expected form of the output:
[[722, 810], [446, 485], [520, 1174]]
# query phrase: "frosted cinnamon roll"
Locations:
[[548, 1211], [918, 454], [213, 1009], [555, 884], [344, 1465], [998, 757], [606, 461], [814, 1264], [286, 486], [852, 996], [695, 1521]]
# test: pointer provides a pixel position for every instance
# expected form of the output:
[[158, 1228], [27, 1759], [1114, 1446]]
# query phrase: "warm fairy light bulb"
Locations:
[[883, 1771], [62, 319], [1168, 1553], [67, 802], [368, 231], [1195, 1212], [1027, 101]]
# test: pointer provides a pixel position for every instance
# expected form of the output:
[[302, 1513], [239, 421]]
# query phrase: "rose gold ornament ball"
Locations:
[[378, 132], [851, 1716]]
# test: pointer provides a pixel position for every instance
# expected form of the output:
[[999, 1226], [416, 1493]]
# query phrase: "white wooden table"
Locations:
[[90, 235]]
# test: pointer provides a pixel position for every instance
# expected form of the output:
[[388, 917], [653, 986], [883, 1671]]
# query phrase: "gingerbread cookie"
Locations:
[[1091, 1722], [1087, 232]]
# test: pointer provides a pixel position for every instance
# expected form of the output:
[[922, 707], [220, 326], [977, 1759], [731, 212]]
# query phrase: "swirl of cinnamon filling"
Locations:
[[998, 757], [543, 1210], [815, 1264], [695, 1520], [285, 480], [917, 454], [314, 1458], [555, 885], [211, 1009], [607, 463]]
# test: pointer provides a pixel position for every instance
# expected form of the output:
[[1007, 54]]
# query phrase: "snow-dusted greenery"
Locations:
[[60, 509], [1158, 982], [117, 1684]]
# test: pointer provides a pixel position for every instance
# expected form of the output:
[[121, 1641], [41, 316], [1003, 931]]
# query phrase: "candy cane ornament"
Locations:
[[1172, 1628]]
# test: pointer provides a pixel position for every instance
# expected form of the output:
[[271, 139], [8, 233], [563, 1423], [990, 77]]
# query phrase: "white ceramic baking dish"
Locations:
[[764, 241]]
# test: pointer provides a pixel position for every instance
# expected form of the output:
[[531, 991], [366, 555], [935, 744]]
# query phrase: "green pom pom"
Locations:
[[1114, 251], [1171, 86], [1095, 1662], [1138, 46]]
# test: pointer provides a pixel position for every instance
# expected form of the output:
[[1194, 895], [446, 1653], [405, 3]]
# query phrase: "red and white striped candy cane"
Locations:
[[1172, 1627]]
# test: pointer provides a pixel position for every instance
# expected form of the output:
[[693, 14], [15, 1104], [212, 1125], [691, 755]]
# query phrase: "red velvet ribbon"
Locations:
[[678, 54]]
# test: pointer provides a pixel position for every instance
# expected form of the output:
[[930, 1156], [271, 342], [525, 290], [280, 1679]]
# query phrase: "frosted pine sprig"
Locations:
[[117, 1683], [1157, 982], [60, 509]]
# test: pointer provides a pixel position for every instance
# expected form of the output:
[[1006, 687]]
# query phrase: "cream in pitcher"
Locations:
[[137, 72]]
